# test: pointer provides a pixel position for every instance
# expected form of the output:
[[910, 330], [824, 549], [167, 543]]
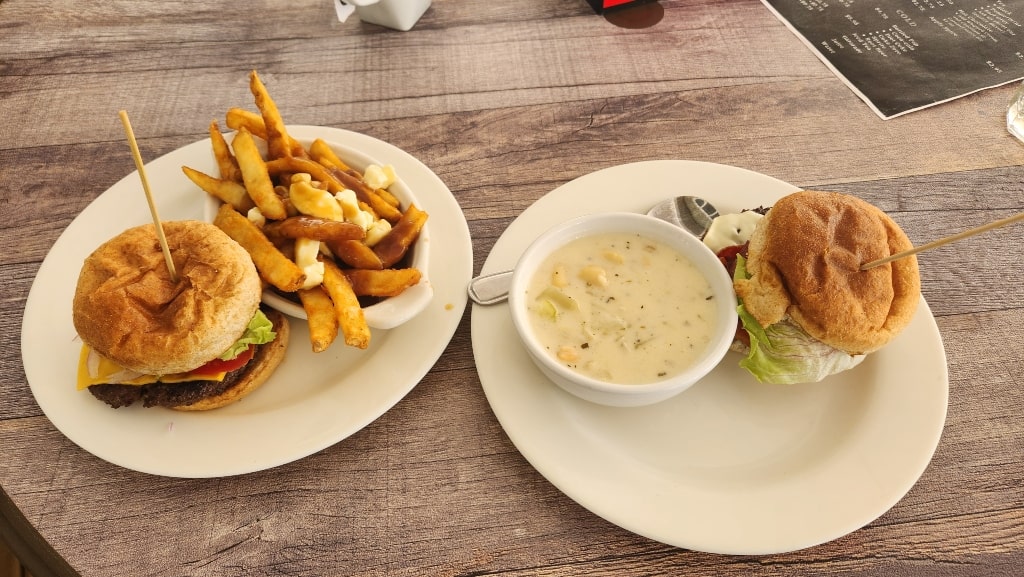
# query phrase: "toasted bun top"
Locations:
[[804, 260], [128, 309]]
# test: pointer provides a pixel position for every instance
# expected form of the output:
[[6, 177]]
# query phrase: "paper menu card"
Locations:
[[903, 55]]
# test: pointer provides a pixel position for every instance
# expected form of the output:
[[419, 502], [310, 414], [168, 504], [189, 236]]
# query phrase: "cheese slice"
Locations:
[[95, 369]]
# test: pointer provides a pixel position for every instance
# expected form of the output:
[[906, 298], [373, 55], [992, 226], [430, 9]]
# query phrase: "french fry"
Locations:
[[226, 163], [239, 118], [382, 283], [367, 208], [396, 243], [255, 176], [320, 151], [323, 321], [303, 226], [351, 321], [228, 191], [389, 198], [355, 254], [278, 141], [292, 164], [311, 215], [273, 266]]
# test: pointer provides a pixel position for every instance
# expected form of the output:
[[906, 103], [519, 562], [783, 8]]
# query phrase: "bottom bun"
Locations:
[[257, 371]]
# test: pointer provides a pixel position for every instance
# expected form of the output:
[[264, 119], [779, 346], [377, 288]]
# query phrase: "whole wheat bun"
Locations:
[[127, 308], [804, 259], [262, 365]]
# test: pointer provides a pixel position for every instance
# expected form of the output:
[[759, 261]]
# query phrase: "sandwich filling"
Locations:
[[95, 369]]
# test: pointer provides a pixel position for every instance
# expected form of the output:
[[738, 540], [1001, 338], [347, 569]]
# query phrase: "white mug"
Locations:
[[397, 14]]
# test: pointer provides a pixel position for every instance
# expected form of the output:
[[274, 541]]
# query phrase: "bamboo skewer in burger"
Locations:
[[946, 240], [141, 168]]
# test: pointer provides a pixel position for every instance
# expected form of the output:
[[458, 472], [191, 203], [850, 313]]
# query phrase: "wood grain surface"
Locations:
[[504, 101]]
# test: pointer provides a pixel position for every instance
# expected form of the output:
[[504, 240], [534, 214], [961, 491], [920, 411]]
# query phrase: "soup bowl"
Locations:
[[615, 346]]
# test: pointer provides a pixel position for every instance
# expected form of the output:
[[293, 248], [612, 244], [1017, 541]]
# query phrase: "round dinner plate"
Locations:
[[729, 466], [311, 402]]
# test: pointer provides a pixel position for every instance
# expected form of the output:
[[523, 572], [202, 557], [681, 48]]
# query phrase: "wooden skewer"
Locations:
[[149, 195], [946, 240]]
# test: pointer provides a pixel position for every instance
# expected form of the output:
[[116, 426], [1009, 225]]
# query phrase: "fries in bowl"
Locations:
[[336, 236]]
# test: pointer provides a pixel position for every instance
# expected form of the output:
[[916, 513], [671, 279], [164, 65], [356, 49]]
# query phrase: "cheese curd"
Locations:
[[349, 204], [255, 216], [378, 230], [622, 308], [377, 176], [306, 251], [314, 201]]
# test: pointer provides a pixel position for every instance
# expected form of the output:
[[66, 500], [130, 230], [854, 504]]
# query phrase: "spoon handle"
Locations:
[[490, 289]]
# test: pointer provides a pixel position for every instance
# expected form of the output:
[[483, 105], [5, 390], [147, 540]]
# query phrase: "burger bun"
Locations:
[[129, 309], [804, 261]]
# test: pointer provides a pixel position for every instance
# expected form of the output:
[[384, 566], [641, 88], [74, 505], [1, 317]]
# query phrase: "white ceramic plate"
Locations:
[[729, 466], [311, 402]]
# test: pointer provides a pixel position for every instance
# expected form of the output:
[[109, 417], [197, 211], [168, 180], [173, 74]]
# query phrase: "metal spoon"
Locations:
[[691, 213]]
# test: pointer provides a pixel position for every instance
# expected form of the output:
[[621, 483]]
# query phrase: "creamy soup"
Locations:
[[622, 308]]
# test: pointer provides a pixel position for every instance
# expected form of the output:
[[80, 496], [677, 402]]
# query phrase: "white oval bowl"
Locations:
[[387, 313], [615, 394]]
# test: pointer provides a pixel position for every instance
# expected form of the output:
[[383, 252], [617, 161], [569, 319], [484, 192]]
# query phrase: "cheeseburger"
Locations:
[[196, 344], [806, 307]]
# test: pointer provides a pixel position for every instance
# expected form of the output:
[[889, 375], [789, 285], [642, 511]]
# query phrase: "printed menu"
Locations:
[[904, 55]]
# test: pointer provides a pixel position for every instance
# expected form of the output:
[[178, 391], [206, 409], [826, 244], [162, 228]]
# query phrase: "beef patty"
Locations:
[[164, 394]]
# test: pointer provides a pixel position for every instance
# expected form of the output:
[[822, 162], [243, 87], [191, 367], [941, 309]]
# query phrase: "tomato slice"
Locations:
[[218, 366], [728, 255]]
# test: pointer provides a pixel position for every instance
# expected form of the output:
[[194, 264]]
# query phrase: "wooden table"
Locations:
[[504, 101]]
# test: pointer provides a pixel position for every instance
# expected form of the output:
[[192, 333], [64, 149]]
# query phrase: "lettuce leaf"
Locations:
[[260, 331], [784, 354]]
